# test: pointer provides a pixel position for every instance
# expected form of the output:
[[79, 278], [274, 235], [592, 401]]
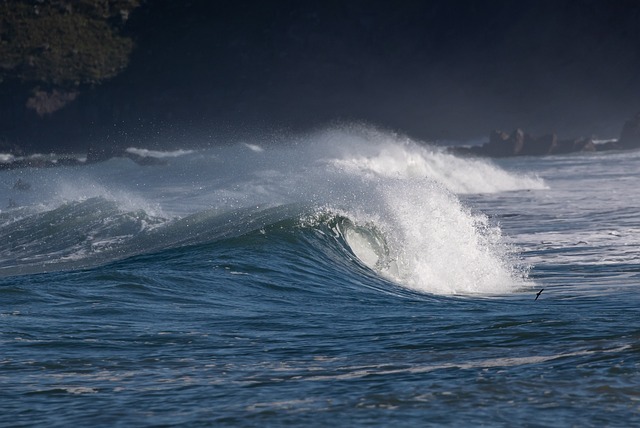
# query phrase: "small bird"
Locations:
[[538, 294]]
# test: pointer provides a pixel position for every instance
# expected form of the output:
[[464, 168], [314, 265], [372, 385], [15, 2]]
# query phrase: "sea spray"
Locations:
[[418, 235], [436, 244], [443, 248], [373, 152]]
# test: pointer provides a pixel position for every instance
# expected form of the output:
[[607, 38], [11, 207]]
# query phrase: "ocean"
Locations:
[[349, 276]]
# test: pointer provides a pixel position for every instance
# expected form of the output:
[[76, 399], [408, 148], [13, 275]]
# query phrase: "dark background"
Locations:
[[436, 70]]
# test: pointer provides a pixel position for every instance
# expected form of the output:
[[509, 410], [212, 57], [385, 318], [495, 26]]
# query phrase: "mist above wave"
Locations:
[[372, 152]]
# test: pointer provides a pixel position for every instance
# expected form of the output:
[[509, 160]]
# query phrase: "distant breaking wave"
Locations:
[[158, 153]]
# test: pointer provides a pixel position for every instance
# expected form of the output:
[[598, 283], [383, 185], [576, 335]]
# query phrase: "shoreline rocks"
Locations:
[[519, 143]]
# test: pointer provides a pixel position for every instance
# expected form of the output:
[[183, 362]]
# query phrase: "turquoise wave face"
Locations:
[[97, 231]]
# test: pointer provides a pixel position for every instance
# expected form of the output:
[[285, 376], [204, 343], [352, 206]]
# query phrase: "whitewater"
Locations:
[[348, 275]]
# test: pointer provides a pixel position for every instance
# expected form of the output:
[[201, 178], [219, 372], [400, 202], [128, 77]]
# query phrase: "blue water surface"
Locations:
[[272, 320]]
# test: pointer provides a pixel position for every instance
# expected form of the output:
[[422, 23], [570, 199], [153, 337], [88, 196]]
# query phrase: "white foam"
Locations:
[[6, 157], [158, 153], [254, 147], [77, 390], [431, 242], [387, 155], [68, 191], [355, 372], [408, 192], [605, 140], [442, 248]]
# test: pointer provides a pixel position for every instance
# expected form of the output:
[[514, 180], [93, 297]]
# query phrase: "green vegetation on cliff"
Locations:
[[60, 46]]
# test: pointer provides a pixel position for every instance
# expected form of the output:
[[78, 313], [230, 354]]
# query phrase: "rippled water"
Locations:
[[347, 277]]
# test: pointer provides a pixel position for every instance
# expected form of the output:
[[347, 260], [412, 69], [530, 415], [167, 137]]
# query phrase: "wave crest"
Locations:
[[402, 218], [385, 155]]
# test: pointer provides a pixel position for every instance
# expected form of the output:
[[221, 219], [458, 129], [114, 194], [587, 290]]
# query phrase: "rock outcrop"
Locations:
[[519, 143]]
